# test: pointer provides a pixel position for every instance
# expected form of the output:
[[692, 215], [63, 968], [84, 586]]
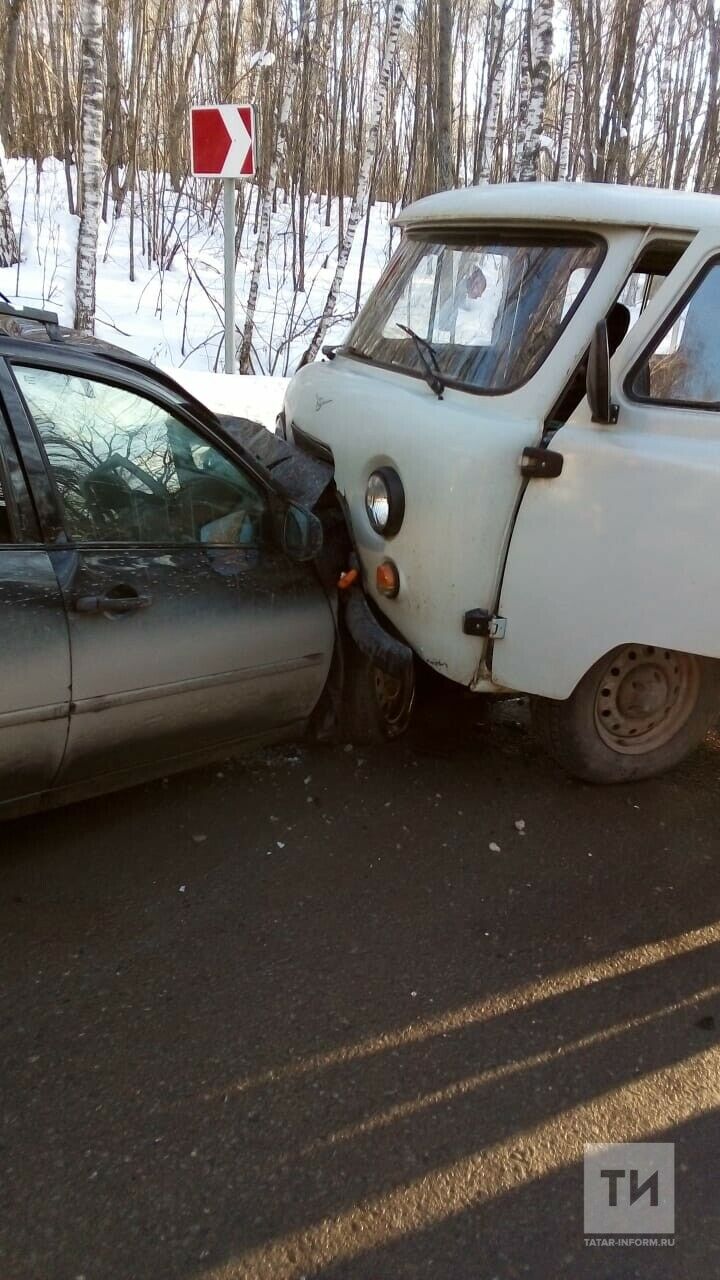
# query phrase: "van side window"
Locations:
[[683, 366]]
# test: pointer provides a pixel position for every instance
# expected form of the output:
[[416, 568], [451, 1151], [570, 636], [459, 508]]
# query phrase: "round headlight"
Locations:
[[385, 501]]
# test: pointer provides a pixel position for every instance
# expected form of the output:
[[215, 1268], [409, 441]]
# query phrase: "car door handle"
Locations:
[[111, 603]]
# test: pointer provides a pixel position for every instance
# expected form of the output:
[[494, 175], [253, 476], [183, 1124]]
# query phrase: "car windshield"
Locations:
[[492, 309]]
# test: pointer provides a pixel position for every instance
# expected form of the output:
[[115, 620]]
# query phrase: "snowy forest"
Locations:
[[363, 106]]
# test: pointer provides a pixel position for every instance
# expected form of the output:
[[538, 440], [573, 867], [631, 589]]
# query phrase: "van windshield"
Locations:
[[491, 310]]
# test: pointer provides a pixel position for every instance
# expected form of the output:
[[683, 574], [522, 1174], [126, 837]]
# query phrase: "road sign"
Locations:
[[222, 145], [222, 141]]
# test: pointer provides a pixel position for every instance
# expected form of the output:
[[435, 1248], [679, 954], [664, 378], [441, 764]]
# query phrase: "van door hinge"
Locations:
[[541, 464], [478, 622]]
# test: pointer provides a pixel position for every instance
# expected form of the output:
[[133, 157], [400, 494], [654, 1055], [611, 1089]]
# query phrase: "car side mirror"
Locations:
[[302, 533], [597, 382]]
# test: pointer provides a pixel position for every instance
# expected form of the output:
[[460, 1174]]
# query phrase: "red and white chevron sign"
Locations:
[[222, 141]]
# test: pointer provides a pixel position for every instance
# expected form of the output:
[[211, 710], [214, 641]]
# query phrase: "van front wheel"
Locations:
[[377, 707], [637, 712]]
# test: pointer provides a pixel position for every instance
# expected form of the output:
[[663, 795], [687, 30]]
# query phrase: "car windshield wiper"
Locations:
[[428, 359]]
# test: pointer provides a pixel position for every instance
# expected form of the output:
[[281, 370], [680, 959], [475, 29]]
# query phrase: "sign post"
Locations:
[[222, 145], [229, 234]]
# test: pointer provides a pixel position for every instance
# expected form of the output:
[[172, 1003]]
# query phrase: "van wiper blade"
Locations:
[[347, 349], [425, 349]]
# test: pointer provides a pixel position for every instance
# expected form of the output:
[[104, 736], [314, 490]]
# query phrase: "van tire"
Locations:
[[376, 707], [637, 712]]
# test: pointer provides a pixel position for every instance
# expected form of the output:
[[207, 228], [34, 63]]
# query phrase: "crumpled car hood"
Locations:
[[302, 477]]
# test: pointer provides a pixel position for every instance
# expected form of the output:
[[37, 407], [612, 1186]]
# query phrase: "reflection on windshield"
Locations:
[[492, 311]]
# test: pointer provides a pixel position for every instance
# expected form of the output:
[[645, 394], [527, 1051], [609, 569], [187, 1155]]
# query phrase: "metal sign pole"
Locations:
[[229, 231]]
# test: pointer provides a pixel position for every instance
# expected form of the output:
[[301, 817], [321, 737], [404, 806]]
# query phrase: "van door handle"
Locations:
[[112, 603], [538, 464]]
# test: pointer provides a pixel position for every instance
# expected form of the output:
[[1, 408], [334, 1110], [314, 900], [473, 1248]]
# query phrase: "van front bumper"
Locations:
[[388, 653]]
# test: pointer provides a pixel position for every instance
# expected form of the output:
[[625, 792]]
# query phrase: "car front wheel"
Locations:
[[637, 712]]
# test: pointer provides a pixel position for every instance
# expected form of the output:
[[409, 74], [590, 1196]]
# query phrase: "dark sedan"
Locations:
[[159, 603]]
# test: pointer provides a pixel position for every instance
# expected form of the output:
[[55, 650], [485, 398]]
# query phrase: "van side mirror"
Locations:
[[302, 533], [598, 377]]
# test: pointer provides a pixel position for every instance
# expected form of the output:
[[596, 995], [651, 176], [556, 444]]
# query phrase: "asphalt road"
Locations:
[[330, 1012]]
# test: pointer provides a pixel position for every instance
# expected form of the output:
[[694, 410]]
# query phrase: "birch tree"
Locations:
[[541, 38], [269, 194], [568, 116], [444, 95], [90, 164], [523, 83], [14, 9], [496, 72], [358, 204], [9, 251]]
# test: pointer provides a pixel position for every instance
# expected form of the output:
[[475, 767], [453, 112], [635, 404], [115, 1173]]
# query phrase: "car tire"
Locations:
[[376, 707], [637, 712]]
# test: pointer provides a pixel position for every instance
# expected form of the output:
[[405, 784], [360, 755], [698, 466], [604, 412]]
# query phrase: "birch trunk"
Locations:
[[661, 170], [269, 193], [358, 204], [541, 50], [494, 90], [444, 96], [706, 158], [9, 250], [13, 10], [524, 85], [569, 108], [90, 164]]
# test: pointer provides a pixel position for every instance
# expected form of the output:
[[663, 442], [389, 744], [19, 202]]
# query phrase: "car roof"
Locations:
[[589, 203], [29, 339], [20, 336], [36, 333]]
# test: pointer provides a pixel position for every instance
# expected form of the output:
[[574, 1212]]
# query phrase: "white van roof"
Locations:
[[589, 203]]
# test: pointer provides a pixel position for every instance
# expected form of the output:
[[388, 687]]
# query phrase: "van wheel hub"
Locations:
[[644, 697], [395, 698]]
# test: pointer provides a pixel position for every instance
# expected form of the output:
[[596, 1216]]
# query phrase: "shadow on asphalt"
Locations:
[[295, 1016]]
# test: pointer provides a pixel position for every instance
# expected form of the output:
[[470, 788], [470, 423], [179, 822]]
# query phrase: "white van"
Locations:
[[524, 423]]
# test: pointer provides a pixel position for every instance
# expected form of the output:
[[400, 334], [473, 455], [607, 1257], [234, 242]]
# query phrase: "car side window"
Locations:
[[683, 366], [127, 470]]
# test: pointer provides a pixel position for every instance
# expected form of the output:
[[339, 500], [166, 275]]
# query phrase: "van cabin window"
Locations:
[[491, 309], [683, 366]]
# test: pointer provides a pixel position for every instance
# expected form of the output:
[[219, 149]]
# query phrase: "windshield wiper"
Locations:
[[433, 376], [347, 349]]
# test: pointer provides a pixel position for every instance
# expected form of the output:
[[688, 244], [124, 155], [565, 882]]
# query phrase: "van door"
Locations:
[[621, 549]]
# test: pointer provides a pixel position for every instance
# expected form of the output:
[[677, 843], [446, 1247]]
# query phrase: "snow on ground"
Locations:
[[249, 397], [173, 314]]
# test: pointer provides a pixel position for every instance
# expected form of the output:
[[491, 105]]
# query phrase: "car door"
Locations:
[[189, 627], [34, 647]]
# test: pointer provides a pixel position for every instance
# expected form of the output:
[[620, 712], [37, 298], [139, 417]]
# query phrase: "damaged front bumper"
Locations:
[[391, 655]]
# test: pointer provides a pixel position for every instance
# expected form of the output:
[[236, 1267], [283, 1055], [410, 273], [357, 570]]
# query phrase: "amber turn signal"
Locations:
[[387, 579]]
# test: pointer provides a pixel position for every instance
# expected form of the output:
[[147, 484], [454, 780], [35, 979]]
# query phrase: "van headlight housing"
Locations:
[[385, 501]]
